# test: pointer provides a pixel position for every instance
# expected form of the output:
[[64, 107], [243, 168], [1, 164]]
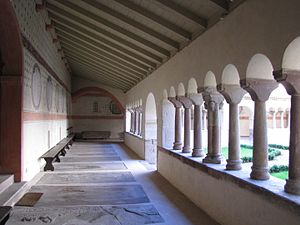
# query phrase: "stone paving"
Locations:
[[84, 189]]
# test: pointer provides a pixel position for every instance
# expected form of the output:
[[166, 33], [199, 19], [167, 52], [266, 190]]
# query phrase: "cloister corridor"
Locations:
[[150, 112]]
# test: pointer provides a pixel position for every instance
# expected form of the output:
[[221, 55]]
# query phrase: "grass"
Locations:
[[281, 175], [245, 152]]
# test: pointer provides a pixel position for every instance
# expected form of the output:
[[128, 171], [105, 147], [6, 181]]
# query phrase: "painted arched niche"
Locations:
[[168, 122], [172, 93], [150, 130], [181, 90], [291, 56], [260, 67]]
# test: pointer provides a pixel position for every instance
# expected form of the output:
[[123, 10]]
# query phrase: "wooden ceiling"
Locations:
[[120, 42]]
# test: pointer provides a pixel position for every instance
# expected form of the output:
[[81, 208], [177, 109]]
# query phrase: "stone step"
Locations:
[[11, 195], [5, 181]]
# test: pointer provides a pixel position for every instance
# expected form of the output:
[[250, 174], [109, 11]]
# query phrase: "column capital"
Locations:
[[259, 89], [290, 79], [185, 101], [232, 93], [196, 98], [212, 98], [175, 102]]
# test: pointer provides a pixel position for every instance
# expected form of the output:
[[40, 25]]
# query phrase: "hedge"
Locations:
[[278, 168], [283, 147], [272, 153]]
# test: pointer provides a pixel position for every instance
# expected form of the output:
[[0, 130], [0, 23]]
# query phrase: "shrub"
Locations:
[[278, 168], [279, 146], [247, 159], [246, 146]]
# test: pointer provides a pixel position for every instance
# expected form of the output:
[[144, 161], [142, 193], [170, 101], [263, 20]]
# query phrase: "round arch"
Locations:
[[150, 129]]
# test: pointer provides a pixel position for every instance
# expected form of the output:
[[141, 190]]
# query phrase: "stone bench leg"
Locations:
[[49, 165]]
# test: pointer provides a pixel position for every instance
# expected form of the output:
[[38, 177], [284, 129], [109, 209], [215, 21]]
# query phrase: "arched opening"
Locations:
[[11, 75], [168, 126], [150, 130]]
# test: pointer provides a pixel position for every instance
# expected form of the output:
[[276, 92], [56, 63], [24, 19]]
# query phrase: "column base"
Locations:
[[197, 152], [177, 146], [260, 173], [292, 187], [213, 159], [234, 164], [186, 149]]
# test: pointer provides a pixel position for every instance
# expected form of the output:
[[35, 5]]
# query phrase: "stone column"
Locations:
[[259, 90], [131, 120], [177, 145], [233, 95], [198, 149], [213, 103], [141, 121], [281, 118], [273, 118], [291, 81], [187, 105], [136, 124]]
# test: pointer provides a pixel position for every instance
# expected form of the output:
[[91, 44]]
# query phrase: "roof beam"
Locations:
[[133, 23], [83, 46], [108, 24], [91, 42], [100, 58], [78, 62], [93, 59], [159, 20], [184, 12], [105, 33], [111, 73], [110, 45], [221, 3]]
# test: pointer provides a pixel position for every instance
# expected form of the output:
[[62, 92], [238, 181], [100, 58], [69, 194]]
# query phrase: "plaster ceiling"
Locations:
[[120, 42]]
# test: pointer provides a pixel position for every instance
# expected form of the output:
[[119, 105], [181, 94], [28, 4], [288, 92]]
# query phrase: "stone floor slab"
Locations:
[[89, 166], [85, 178], [91, 159], [90, 195], [100, 215]]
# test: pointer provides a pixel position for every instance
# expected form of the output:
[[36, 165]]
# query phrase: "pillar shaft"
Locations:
[[178, 135], [197, 150], [234, 159], [293, 182], [187, 131], [260, 143], [213, 101]]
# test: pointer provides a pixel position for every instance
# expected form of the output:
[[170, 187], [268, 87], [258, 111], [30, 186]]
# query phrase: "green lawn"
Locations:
[[281, 175], [244, 152]]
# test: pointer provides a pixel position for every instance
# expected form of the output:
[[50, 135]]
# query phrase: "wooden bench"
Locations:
[[95, 134], [4, 214], [54, 153]]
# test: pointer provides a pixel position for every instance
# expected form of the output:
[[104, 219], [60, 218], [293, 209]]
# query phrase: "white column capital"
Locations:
[[232, 93]]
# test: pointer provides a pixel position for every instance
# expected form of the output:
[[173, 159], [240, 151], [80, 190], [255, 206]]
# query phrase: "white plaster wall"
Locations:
[[256, 26], [38, 137], [136, 144], [224, 201]]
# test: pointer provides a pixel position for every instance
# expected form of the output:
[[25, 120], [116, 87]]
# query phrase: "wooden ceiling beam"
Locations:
[[110, 46], [106, 58], [81, 50], [224, 4], [106, 23], [107, 71], [76, 36], [104, 65], [104, 33], [184, 12], [157, 19], [133, 23]]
